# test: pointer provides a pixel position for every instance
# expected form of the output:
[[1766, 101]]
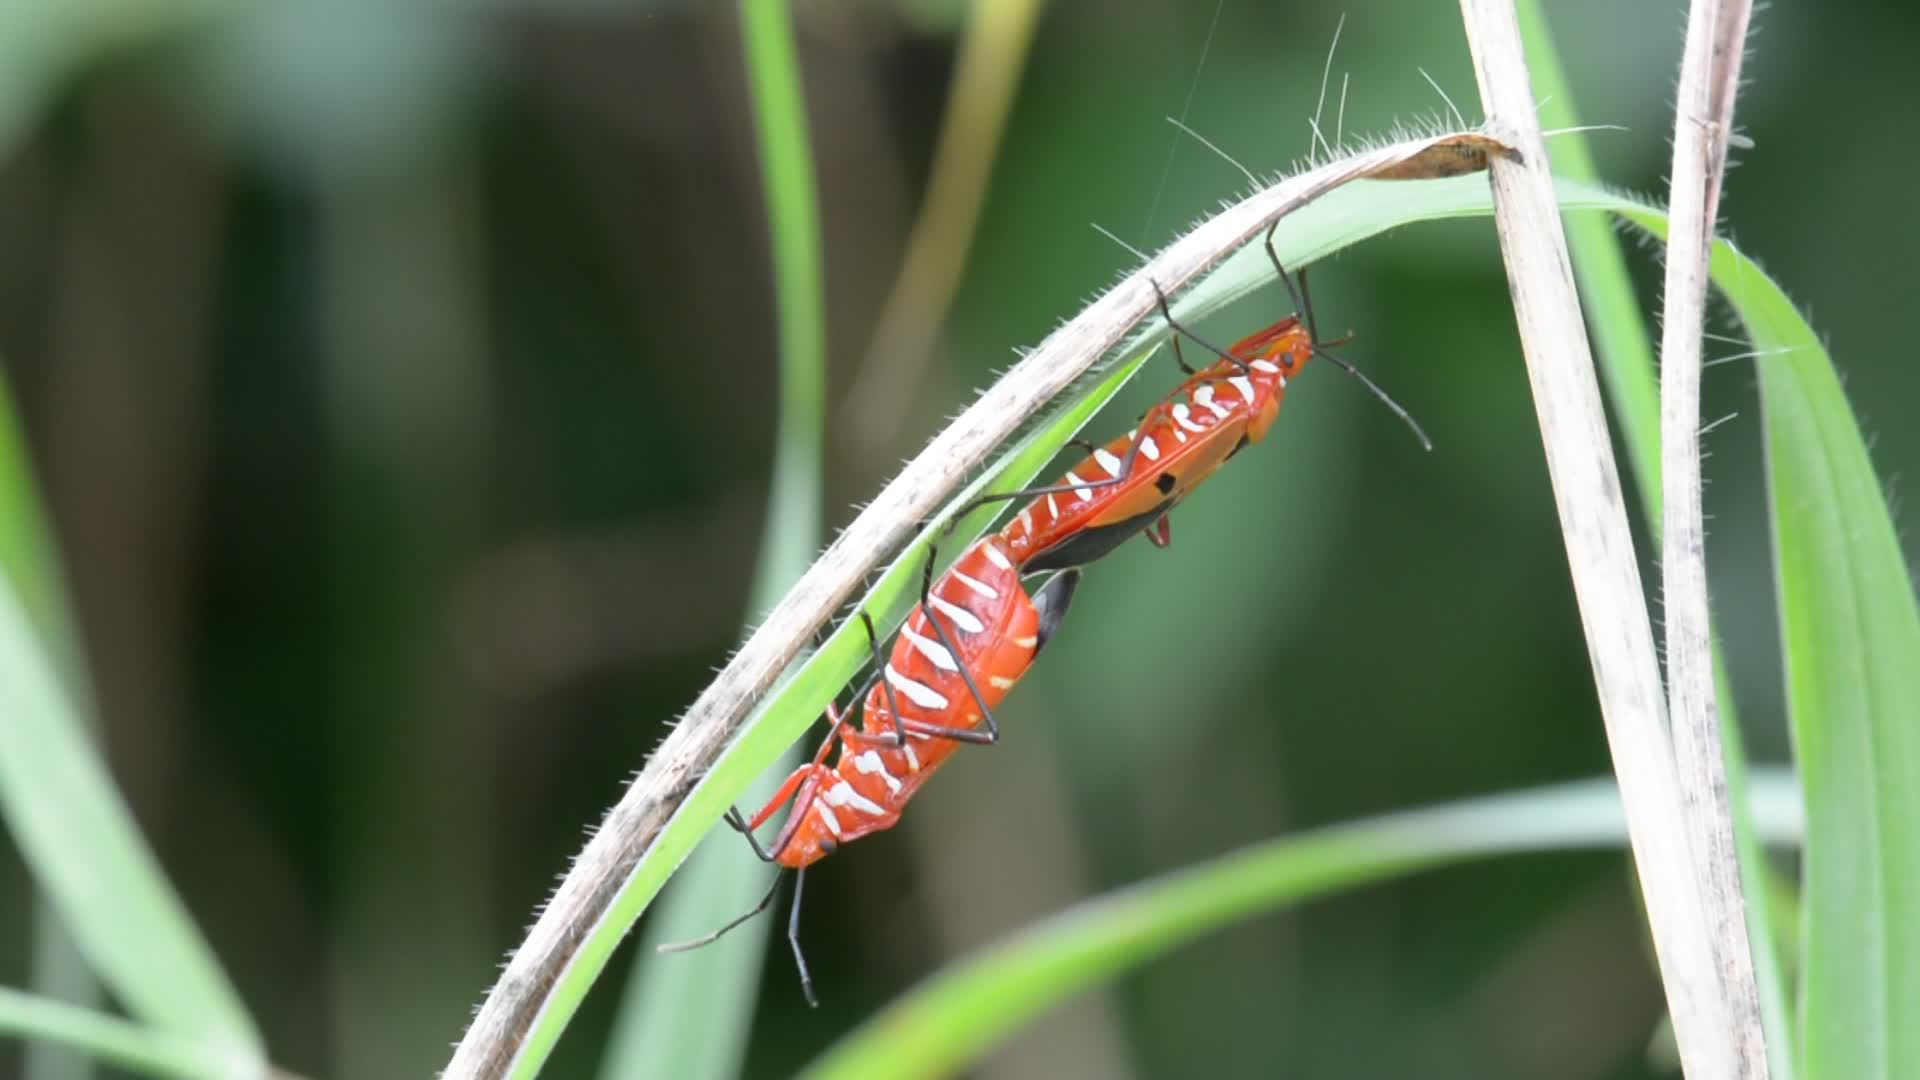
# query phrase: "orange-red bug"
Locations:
[[973, 636], [1130, 484]]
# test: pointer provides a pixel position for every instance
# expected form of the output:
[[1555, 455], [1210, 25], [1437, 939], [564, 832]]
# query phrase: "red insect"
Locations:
[[1130, 484], [974, 634]]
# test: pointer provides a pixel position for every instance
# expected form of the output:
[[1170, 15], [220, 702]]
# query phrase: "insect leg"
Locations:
[[992, 731], [1166, 312], [1299, 296], [793, 939], [897, 738], [708, 939]]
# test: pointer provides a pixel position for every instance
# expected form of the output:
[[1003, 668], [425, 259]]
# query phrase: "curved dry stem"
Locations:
[[587, 893], [1709, 81]]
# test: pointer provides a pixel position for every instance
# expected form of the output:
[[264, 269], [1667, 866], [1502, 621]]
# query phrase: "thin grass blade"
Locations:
[[66, 816], [693, 1016], [86, 851], [938, 1028], [112, 1040]]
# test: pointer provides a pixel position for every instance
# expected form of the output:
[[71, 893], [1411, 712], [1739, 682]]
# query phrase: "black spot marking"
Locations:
[[1091, 543], [1164, 482]]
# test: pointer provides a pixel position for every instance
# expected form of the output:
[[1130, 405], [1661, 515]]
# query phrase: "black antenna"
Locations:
[[1385, 398], [1302, 303], [1298, 293]]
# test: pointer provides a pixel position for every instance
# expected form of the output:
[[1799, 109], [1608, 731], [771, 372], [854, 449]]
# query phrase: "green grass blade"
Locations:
[[30, 559], [1850, 632], [1614, 319], [27, 553], [938, 1028], [113, 1041], [693, 1018], [72, 828], [1852, 639], [87, 853]]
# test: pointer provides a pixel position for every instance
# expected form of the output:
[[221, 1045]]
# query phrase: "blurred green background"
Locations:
[[401, 379]]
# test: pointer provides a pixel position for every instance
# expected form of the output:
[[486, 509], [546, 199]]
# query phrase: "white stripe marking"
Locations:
[[1079, 486], [826, 814], [913, 759], [1182, 416], [998, 557], [1267, 366], [919, 693], [1203, 397], [842, 794], [1026, 520], [1053, 508], [965, 620], [1283, 382], [932, 650], [978, 586], [1245, 386], [1001, 682], [1150, 448], [1107, 461], [870, 764]]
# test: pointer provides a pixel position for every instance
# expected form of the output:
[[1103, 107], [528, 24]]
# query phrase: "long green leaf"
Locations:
[[76, 835], [27, 554], [111, 1040], [1852, 640], [938, 1028], [28, 557], [693, 1019], [86, 851], [1850, 633]]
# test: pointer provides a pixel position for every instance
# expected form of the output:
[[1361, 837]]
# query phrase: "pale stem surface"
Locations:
[[1709, 79], [1593, 520]]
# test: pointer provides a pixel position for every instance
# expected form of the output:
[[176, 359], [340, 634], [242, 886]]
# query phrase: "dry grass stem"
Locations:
[[1709, 80], [1593, 519]]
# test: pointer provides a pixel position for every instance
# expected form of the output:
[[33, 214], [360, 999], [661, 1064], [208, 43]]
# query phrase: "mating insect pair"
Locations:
[[977, 631]]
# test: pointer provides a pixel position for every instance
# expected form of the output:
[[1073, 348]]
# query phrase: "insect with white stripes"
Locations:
[[974, 634], [1130, 484]]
